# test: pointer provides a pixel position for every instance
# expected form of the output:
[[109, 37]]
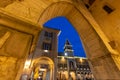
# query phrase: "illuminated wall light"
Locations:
[[27, 64], [63, 59], [81, 60], [71, 73], [65, 54], [42, 69], [39, 77], [46, 51]]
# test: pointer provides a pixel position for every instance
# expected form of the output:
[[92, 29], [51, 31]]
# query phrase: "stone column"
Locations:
[[20, 66], [104, 68], [8, 68], [55, 69]]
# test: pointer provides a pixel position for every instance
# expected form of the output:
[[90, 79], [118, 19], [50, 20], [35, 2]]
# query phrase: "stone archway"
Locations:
[[97, 52], [93, 39], [44, 65]]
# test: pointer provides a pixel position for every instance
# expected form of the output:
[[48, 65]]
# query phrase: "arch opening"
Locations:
[[68, 39], [94, 47], [67, 32], [96, 51], [43, 68]]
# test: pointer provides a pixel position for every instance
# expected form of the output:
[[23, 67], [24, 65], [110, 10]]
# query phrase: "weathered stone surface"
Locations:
[[4, 3], [8, 68], [109, 23], [14, 43]]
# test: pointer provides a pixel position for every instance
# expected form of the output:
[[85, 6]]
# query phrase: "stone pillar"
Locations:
[[104, 68], [8, 68], [117, 60], [52, 73], [97, 47], [55, 69], [20, 66], [16, 39]]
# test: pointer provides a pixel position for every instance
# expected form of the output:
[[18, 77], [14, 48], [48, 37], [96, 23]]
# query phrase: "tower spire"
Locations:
[[67, 42], [68, 50]]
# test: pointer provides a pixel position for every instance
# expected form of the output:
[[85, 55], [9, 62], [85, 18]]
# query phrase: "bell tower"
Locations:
[[69, 54], [68, 50]]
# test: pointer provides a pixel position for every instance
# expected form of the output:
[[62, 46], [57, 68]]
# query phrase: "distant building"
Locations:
[[71, 67], [47, 43], [45, 55], [51, 65]]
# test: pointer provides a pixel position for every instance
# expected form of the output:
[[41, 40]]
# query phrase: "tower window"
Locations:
[[46, 46], [107, 9]]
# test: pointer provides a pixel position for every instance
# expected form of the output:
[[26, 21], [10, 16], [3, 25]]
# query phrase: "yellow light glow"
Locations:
[[81, 60], [71, 73], [27, 64], [42, 69], [46, 51], [63, 59], [39, 77]]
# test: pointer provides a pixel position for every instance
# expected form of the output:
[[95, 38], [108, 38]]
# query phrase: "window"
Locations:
[[65, 66], [48, 34], [68, 47], [60, 65], [71, 64], [44, 66], [46, 46], [107, 9]]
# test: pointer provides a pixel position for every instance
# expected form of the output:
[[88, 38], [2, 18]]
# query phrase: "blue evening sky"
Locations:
[[67, 32]]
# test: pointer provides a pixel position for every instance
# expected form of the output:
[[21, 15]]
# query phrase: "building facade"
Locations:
[[71, 67], [64, 66], [43, 59]]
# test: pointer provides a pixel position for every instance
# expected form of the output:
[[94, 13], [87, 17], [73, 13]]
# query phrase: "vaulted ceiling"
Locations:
[[28, 9]]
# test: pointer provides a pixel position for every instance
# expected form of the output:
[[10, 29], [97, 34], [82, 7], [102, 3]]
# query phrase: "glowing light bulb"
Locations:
[[65, 54]]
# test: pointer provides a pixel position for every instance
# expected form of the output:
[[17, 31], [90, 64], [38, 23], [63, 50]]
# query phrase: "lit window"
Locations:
[[60, 66], [65, 65]]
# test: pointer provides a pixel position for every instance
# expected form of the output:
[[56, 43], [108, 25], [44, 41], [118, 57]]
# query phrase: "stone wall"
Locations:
[[14, 48], [109, 23], [8, 68]]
